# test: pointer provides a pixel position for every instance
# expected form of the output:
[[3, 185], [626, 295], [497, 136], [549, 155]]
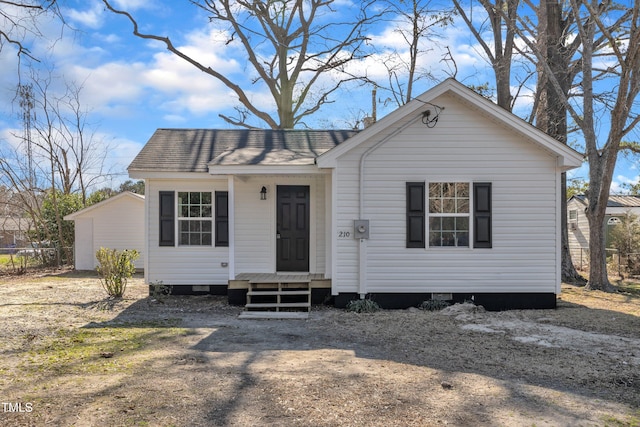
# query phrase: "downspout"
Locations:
[[362, 285]]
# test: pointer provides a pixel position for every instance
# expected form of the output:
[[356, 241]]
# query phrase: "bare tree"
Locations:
[[56, 159], [290, 44], [64, 143], [617, 105], [502, 16], [20, 19], [416, 21], [604, 107]]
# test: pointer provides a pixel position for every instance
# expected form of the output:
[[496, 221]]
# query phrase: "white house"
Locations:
[[450, 196], [617, 207], [116, 223]]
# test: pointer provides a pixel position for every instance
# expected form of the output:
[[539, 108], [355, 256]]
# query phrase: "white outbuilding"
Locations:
[[115, 223]]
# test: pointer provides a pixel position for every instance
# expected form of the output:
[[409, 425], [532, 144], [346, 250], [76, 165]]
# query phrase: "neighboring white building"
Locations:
[[449, 195], [617, 207], [114, 223]]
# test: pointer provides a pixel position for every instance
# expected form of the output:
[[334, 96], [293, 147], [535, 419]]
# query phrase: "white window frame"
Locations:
[[574, 213], [182, 219], [468, 215]]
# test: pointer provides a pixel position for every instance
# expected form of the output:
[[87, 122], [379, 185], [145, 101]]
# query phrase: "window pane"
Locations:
[[184, 211], [448, 239], [206, 226], [184, 226], [448, 189], [206, 211], [448, 206], [194, 198], [463, 239], [195, 240], [448, 223], [435, 224], [462, 224], [434, 239], [462, 190], [206, 198], [463, 206], [435, 206], [206, 239], [183, 198], [184, 238], [435, 189]]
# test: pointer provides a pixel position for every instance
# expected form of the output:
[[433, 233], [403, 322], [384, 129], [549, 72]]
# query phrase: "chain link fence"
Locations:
[[622, 265]]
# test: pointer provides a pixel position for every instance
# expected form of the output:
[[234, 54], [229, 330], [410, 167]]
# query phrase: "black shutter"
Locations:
[[482, 215], [167, 218], [415, 215], [222, 218]]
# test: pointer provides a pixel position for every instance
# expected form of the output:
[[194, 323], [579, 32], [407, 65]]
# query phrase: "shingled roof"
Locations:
[[193, 150]]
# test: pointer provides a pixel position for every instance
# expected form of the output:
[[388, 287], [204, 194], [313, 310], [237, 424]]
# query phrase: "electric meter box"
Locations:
[[361, 229]]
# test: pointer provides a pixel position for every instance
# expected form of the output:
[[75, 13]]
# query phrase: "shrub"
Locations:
[[160, 291], [363, 306], [433, 305], [115, 268]]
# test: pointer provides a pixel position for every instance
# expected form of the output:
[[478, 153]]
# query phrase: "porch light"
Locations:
[[263, 193]]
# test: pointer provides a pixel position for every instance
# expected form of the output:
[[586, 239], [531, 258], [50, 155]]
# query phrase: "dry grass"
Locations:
[[78, 358]]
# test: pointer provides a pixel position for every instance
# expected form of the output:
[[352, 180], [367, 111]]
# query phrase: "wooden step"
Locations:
[[276, 293], [278, 305], [286, 299], [274, 315]]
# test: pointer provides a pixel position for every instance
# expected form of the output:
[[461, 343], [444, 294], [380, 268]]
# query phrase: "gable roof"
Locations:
[[568, 158], [125, 194], [194, 150]]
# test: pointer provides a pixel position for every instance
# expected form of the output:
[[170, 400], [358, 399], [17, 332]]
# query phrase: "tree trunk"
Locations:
[[598, 277], [551, 114]]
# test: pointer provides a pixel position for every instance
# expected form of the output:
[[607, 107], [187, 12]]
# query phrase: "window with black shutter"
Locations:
[[222, 218], [482, 215], [167, 218], [415, 214]]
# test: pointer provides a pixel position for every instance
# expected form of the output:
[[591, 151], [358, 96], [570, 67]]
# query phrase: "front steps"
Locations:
[[288, 298]]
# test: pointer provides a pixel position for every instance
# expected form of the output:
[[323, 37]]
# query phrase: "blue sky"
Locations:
[[134, 86]]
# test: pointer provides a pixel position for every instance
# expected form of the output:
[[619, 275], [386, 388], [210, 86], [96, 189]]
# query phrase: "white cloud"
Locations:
[[92, 17], [131, 5]]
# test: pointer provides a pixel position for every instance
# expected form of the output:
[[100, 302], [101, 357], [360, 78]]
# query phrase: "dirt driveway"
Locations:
[[70, 357]]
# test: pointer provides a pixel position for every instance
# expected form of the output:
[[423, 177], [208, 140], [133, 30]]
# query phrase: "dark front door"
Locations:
[[292, 240]]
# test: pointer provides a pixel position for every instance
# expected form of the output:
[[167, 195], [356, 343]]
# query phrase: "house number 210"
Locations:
[[344, 234]]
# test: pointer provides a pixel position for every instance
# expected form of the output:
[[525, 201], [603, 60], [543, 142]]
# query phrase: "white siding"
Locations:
[[183, 265], [578, 234], [255, 222], [115, 224], [463, 146], [255, 231]]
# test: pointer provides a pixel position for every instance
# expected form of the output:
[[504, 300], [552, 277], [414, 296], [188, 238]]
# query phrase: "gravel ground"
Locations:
[[72, 357]]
